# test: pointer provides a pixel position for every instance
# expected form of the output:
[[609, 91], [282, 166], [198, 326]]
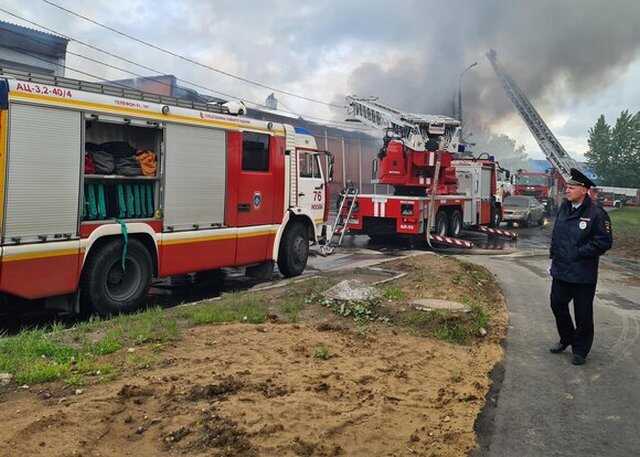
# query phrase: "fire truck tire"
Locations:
[[294, 250], [442, 223], [110, 290], [455, 224]]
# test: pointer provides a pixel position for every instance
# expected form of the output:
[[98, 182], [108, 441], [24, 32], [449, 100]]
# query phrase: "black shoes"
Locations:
[[558, 348], [578, 359]]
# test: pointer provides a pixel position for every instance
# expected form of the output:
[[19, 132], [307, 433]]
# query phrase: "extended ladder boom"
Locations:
[[414, 128], [551, 147], [368, 109]]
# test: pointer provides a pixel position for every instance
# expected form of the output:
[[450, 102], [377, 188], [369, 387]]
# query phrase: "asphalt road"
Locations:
[[543, 405]]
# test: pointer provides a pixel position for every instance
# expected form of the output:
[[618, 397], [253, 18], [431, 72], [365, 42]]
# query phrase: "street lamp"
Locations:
[[460, 89]]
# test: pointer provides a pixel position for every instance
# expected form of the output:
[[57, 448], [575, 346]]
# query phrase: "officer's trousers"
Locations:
[[580, 336]]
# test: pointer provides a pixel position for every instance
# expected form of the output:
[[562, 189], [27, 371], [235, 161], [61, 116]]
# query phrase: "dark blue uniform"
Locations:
[[580, 237]]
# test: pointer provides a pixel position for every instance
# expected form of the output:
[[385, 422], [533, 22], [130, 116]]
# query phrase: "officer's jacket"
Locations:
[[579, 238]]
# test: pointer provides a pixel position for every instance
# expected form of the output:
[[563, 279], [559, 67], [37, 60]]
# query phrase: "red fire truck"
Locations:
[[83, 223], [545, 187], [436, 189]]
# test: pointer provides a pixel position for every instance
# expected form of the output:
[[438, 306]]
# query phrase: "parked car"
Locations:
[[524, 210]]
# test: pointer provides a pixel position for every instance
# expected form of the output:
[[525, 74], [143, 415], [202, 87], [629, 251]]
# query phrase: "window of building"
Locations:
[[255, 152]]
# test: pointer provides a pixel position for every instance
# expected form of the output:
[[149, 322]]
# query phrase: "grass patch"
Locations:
[[625, 219], [457, 328], [49, 354], [625, 225], [151, 326], [394, 293], [321, 352], [35, 356], [140, 361], [247, 308], [292, 308], [360, 311], [306, 292]]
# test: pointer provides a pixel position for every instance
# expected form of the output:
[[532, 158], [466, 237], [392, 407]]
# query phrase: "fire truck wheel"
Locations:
[[442, 223], [294, 250], [455, 224], [107, 287]]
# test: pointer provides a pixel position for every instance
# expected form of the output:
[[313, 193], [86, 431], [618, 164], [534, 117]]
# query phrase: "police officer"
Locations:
[[581, 234]]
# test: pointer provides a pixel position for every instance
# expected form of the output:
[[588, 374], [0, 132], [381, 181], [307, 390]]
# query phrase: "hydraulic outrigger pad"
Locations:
[[494, 231]]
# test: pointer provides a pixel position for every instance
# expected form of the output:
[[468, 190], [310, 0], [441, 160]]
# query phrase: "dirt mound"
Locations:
[[218, 391], [133, 391], [321, 387], [226, 436]]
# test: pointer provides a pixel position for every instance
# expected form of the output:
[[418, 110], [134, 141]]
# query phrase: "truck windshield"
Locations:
[[516, 201], [531, 180]]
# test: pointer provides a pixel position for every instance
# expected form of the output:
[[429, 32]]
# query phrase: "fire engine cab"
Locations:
[[103, 188]]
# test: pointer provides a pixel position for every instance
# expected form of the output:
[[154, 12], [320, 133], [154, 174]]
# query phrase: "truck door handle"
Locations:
[[244, 207], [319, 187], [301, 194]]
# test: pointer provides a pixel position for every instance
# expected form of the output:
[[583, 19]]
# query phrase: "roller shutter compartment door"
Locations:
[[486, 183], [195, 177], [43, 181]]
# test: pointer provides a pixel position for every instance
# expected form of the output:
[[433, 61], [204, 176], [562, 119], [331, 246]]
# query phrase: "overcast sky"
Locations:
[[575, 59]]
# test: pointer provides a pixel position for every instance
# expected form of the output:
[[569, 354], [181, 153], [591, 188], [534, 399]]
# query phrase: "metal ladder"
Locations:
[[341, 225], [553, 150]]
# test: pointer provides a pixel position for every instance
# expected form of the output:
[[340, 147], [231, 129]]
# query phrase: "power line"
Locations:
[[66, 67], [156, 79], [91, 46], [124, 59], [187, 59]]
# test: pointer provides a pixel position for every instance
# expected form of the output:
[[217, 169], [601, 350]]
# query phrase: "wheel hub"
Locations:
[[299, 249], [121, 284]]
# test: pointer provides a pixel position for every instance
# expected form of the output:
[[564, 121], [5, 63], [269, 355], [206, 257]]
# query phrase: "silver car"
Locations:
[[524, 210]]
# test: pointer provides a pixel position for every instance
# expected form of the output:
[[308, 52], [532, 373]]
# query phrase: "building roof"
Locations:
[[25, 39], [166, 85]]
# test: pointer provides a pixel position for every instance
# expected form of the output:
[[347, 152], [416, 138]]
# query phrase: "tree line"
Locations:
[[614, 151]]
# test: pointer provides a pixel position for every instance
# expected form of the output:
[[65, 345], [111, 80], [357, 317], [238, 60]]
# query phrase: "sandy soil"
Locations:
[[246, 390]]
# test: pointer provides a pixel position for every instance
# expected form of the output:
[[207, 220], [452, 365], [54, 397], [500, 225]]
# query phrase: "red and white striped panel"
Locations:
[[499, 232], [379, 207], [451, 241]]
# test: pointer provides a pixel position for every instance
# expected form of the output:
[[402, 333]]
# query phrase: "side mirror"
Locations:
[[507, 175], [330, 162]]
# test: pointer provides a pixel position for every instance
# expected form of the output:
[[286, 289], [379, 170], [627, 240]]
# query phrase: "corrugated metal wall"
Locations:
[[354, 154]]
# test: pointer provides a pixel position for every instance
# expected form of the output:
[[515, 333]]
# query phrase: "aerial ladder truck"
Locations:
[[559, 159], [437, 190]]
